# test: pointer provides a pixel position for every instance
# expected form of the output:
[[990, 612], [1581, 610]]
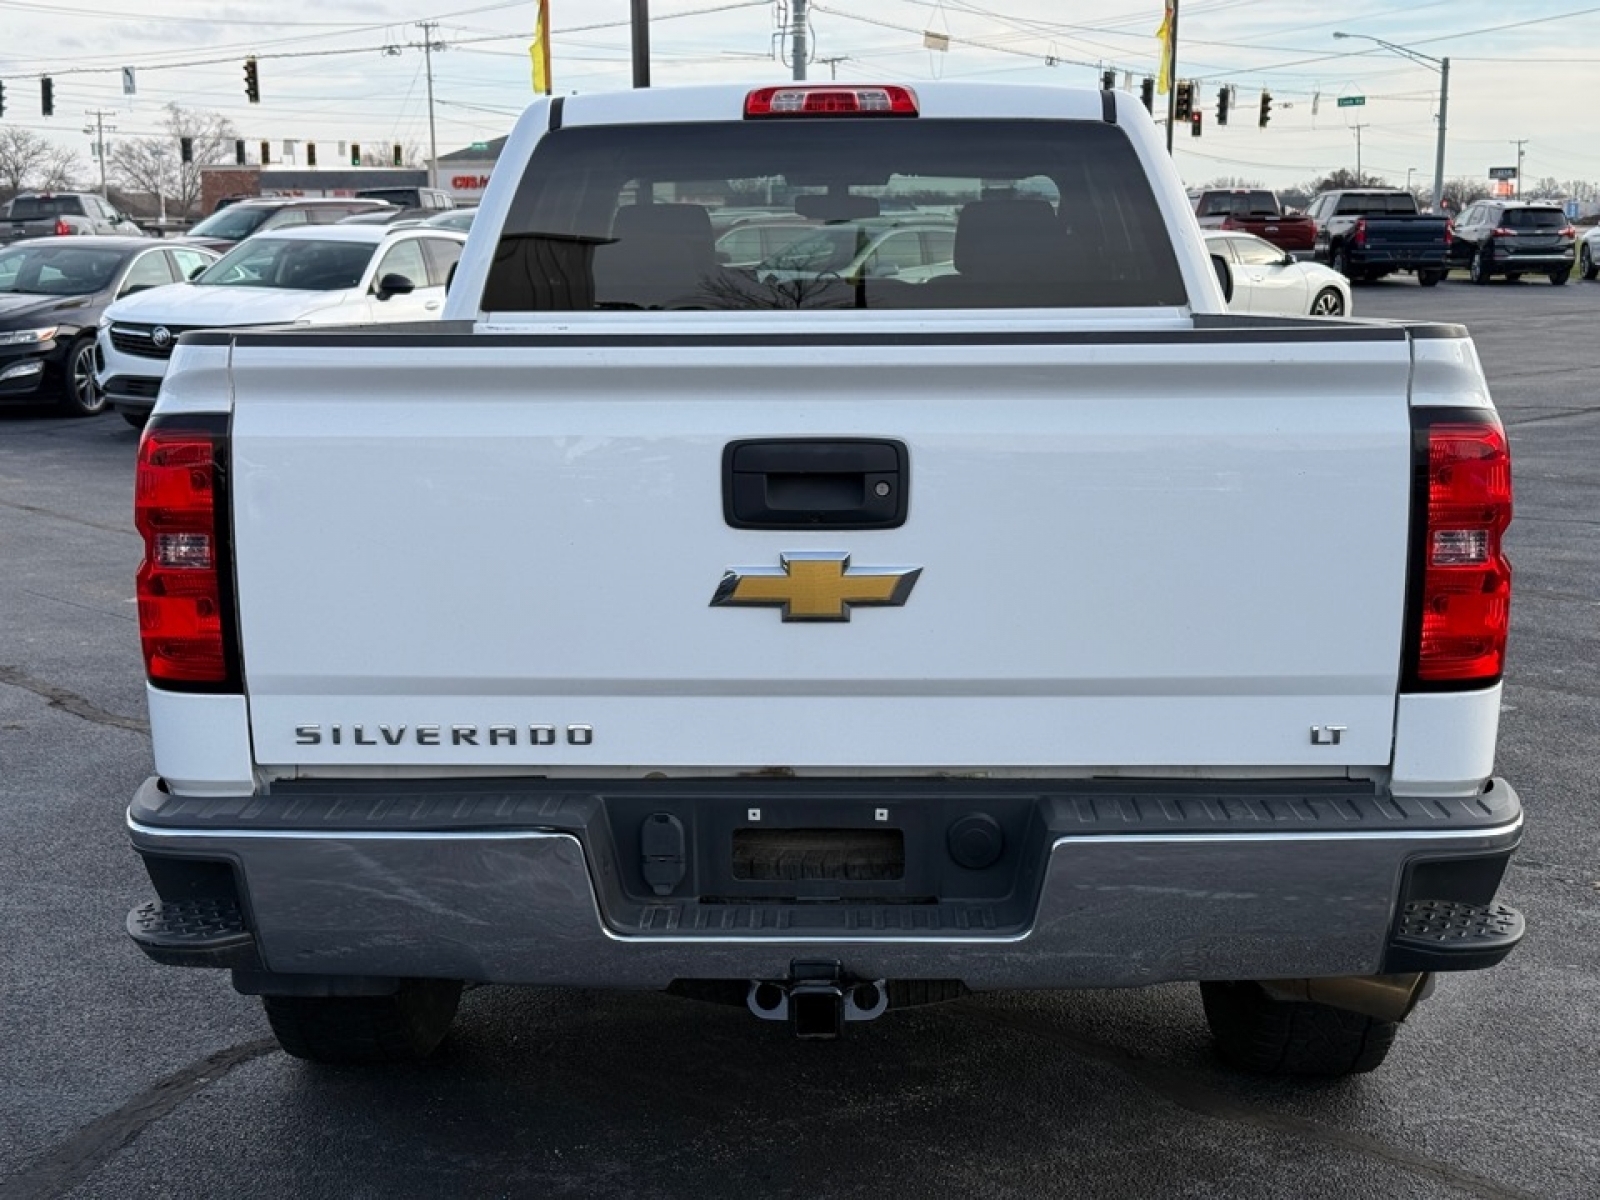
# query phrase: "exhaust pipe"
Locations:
[[1386, 997], [816, 1001]]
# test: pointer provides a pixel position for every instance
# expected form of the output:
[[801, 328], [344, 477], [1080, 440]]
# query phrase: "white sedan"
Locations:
[[305, 275], [1270, 282], [1589, 253]]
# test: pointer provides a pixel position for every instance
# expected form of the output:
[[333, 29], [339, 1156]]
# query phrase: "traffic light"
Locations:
[[399, 155], [252, 82], [238, 152], [266, 154], [1108, 81], [311, 154], [186, 150], [1185, 101], [2, 99], [1224, 98], [355, 154], [1196, 118], [1266, 107], [1147, 94], [47, 96]]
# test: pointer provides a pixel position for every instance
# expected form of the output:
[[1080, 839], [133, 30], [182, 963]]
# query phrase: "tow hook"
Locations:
[[817, 1000]]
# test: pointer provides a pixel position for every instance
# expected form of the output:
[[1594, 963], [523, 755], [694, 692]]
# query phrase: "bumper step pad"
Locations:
[[1449, 935], [194, 933]]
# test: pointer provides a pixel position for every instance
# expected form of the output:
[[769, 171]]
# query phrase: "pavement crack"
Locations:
[[60, 1170], [35, 510], [70, 702], [1183, 1089]]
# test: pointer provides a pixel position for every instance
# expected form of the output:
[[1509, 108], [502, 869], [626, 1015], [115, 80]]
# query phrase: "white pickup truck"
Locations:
[[829, 645]]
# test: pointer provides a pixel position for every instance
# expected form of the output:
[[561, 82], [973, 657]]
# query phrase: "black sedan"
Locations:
[[52, 292]]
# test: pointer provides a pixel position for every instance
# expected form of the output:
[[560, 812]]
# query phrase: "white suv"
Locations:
[[312, 275]]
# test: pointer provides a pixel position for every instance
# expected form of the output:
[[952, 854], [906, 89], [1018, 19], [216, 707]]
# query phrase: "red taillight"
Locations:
[[1463, 610], [1502, 231], [1567, 231], [62, 228], [822, 100], [182, 619], [1360, 232], [1449, 232]]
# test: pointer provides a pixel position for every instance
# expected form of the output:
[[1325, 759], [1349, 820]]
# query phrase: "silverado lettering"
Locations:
[[429, 735]]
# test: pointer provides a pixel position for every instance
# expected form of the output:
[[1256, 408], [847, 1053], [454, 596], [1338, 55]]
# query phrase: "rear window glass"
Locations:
[[1401, 202], [882, 214], [1238, 204], [1534, 218], [27, 208]]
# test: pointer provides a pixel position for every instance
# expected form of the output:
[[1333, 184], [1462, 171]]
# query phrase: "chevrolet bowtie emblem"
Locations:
[[816, 587]]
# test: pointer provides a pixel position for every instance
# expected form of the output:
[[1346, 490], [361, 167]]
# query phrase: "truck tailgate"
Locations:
[[1159, 549]]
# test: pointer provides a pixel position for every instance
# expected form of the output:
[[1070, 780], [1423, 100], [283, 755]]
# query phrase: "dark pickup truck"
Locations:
[[51, 214], [1255, 211], [1368, 233]]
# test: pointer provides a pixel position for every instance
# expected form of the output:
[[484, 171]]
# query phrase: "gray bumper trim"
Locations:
[[1113, 910]]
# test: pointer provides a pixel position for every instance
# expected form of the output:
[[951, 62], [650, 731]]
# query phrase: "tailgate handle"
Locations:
[[815, 483]]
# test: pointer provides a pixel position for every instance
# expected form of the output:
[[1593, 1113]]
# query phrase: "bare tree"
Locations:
[[1458, 193], [155, 166], [62, 171], [23, 154], [1232, 181]]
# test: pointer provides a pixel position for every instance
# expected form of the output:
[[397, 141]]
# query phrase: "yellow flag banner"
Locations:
[[1164, 79], [539, 49]]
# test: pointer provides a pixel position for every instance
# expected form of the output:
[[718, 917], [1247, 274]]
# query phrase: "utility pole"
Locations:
[[1172, 75], [641, 43], [833, 64], [428, 47], [100, 129], [1519, 143], [798, 29], [1360, 179]]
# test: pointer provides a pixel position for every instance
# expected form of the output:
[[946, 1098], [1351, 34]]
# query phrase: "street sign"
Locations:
[[1351, 101], [1502, 172], [127, 81]]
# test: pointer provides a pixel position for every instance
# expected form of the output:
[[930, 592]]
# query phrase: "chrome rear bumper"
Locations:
[[540, 906]]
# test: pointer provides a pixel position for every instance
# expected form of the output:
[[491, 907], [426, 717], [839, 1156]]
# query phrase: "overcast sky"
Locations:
[[335, 82]]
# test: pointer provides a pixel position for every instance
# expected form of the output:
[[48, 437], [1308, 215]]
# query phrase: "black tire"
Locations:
[[404, 1027], [1480, 270], [1267, 1036], [1513, 276], [1328, 303], [137, 420], [1430, 278], [80, 396], [1560, 277], [1340, 261], [1587, 267]]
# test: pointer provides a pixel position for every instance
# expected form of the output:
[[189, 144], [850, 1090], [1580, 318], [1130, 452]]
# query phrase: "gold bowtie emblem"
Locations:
[[815, 586]]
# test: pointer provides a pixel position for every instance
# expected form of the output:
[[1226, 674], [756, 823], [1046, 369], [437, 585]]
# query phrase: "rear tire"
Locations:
[[137, 420], [1513, 276], [1340, 261], [1429, 278], [1586, 264], [1266, 1036], [1480, 270], [1560, 277], [404, 1027], [80, 396]]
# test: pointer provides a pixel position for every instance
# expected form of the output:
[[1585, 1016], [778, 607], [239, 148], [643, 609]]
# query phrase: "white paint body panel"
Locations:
[[1137, 559], [202, 743], [1157, 555]]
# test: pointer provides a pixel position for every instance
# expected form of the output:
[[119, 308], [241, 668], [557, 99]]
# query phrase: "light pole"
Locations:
[[1441, 65], [1409, 171]]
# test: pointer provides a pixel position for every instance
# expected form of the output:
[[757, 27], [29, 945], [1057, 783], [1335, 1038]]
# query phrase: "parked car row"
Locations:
[[311, 275], [53, 294]]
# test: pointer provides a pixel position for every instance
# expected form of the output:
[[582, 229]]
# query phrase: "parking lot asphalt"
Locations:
[[122, 1079]]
